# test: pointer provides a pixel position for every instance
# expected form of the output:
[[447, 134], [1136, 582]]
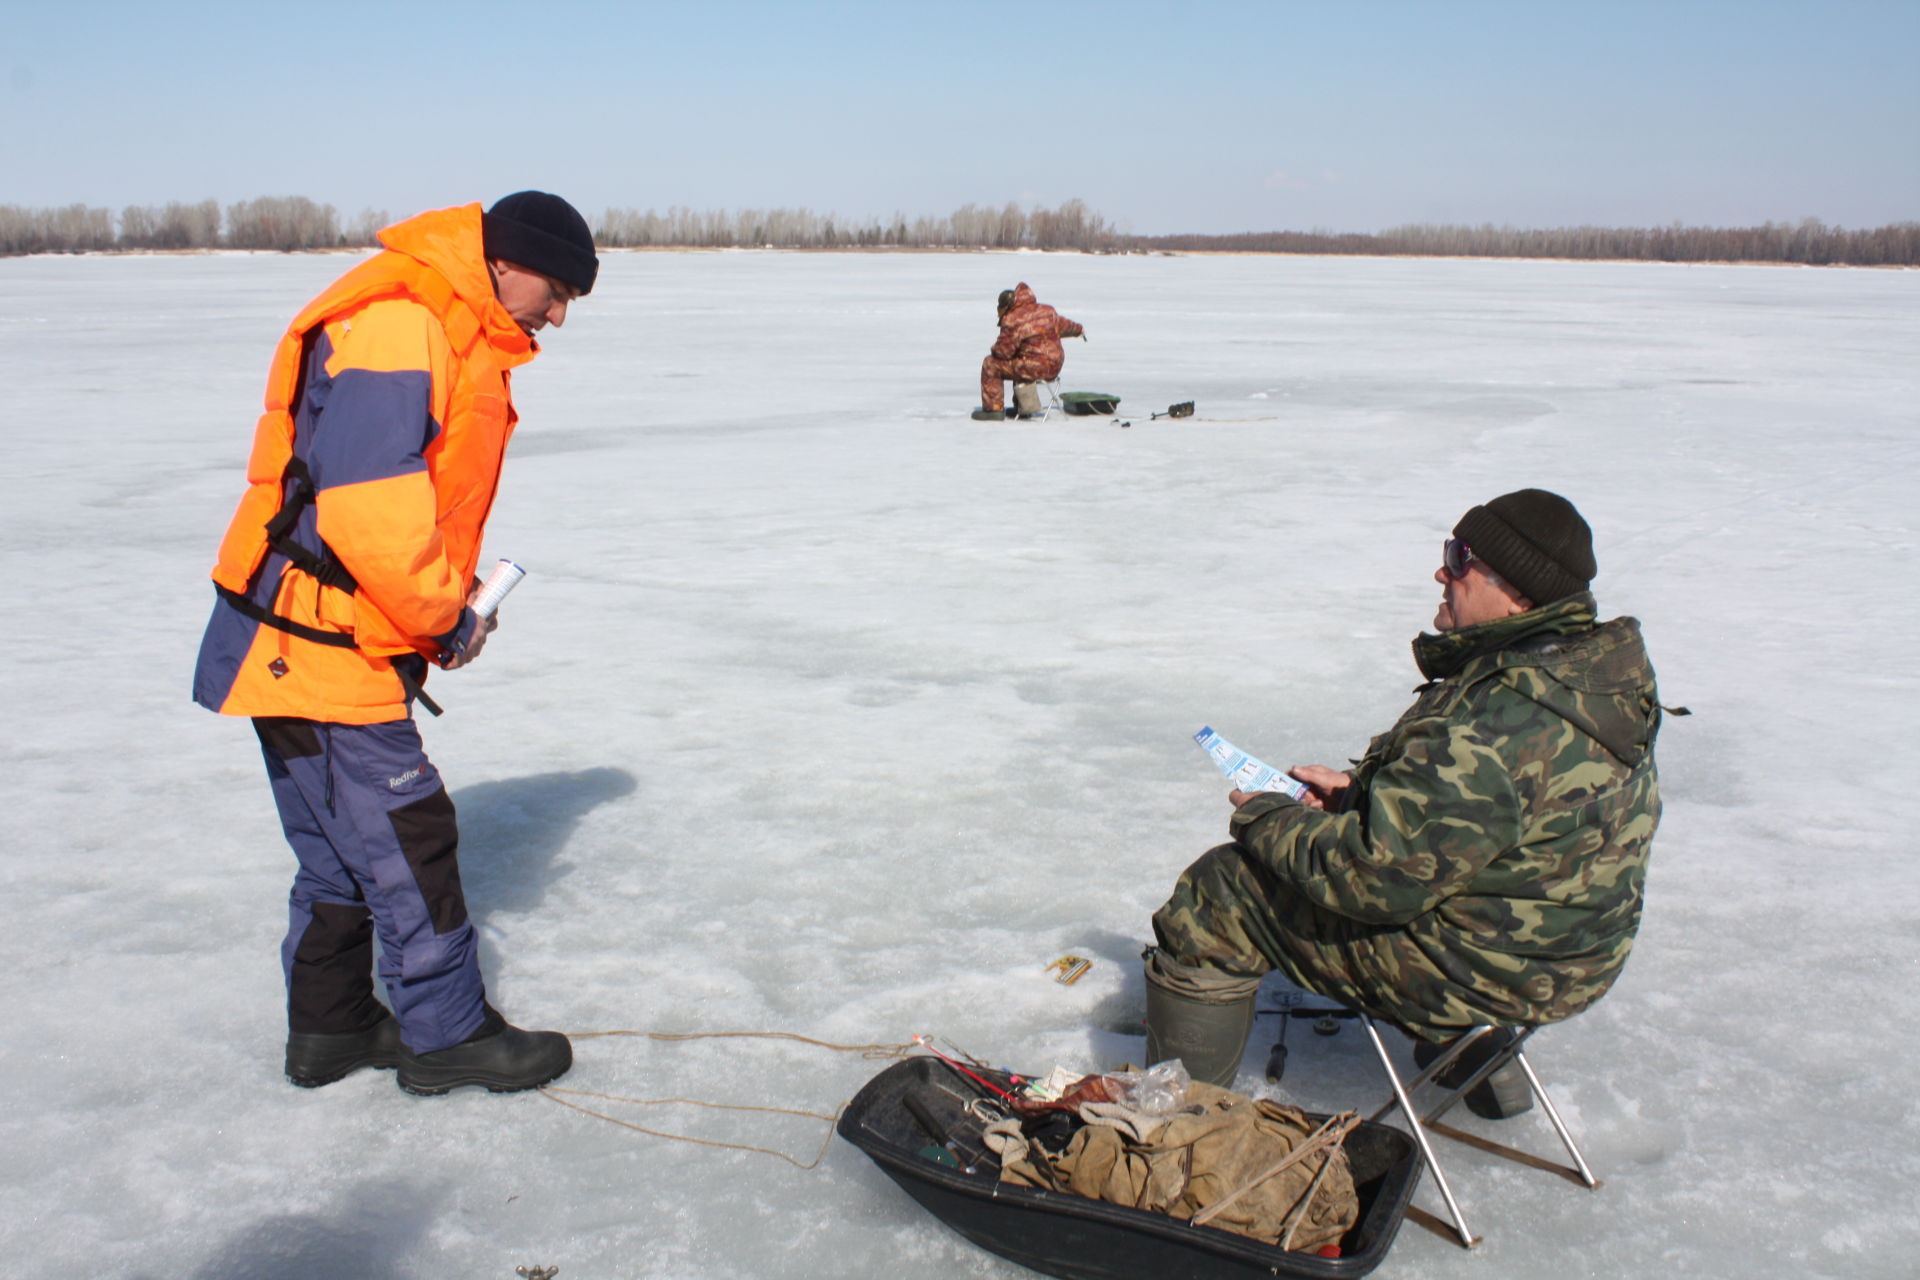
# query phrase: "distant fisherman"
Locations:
[[1483, 863], [348, 569], [1027, 350]]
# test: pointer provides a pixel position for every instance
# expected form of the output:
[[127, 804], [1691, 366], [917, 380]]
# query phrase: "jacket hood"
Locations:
[[449, 241], [1023, 295], [1596, 677]]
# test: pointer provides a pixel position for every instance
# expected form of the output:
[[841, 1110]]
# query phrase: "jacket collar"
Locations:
[[1443, 655], [449, 242]]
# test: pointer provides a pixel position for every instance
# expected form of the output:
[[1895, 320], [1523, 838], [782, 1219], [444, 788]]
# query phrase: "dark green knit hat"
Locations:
[[1533, 539]]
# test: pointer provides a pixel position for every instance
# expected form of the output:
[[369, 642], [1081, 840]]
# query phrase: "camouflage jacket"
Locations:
[[1032, 329], [1492, 848]]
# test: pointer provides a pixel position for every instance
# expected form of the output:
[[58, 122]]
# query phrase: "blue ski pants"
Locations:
[[378, 844]]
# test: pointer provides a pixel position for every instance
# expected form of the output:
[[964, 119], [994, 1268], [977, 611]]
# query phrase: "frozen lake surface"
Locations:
[[825, 709]]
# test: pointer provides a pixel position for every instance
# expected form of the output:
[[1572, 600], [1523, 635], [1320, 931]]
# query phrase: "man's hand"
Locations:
[[1324, 785], [474, 646]]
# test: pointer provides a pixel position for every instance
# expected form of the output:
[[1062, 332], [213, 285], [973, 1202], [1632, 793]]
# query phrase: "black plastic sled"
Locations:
[[1060, 1234]]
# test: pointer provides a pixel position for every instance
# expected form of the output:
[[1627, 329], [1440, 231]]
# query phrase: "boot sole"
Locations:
[[321, 1081], [434, 1088], [329, 1075]]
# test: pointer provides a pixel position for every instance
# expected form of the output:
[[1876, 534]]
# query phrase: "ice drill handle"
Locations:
[[505, 577]]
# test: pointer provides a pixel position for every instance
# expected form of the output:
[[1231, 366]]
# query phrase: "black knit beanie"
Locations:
[[1533, 539], [542, 233]]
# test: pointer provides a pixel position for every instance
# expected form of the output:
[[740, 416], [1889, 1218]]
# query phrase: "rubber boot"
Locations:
[[499, 1057], [1500, 1096], [1200, 1016], [315, 1058], [989, 415]]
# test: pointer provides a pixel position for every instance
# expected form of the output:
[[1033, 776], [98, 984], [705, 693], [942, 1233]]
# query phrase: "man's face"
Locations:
[[533, 300], [1472, 596]]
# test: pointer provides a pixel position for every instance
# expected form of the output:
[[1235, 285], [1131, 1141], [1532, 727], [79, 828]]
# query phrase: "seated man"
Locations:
[[1482, 863], [1028, 349]]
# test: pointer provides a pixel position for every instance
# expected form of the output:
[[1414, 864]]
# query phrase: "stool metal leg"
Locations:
[[1516, 1054], [1434, 1069], [1559, 1127], [1419, 1133]]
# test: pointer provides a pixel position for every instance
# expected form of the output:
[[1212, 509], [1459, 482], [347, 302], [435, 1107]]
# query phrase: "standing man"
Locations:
[[1027, 350], [1483, 862], [346, 571]]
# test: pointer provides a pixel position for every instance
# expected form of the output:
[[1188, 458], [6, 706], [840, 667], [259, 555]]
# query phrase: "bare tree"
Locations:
[[285, 223], [138, 225], [364, 232], [189, 226]]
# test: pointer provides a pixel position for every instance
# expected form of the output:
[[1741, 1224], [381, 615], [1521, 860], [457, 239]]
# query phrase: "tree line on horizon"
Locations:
[[972, 226], [292, 223], [284, 223], [289, 223], [1809, 241]]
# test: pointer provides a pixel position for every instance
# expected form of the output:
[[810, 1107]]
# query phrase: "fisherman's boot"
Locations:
[[315, 1058], [498, 1056], [334, 1025], [984, 414], [1200, 1016], [1026, 400], [1500, 1096]]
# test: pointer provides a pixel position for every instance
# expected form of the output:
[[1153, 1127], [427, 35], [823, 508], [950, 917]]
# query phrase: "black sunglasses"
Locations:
[[1455, 556]]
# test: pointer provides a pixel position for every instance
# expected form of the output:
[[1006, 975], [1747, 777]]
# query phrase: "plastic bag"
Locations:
[[1154, 1094], [1160, 1090]]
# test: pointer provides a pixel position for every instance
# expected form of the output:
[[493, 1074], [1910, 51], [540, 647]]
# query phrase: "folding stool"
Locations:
[[1051, 387], [1402, 1098]]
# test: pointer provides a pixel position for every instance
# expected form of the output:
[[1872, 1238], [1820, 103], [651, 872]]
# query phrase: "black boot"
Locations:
[[335, 1026], [499, 1056], [315, 1058], [1500, 1096]]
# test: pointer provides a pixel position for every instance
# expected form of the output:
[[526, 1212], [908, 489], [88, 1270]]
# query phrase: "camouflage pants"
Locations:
[[994, 372], [1229, 913]]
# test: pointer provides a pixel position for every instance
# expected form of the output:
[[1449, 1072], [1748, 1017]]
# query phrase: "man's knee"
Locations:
[[428, 834], [1205, 919], [1198, 981]]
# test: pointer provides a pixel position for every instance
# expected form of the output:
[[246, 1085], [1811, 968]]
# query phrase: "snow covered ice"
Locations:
[[825, 709]]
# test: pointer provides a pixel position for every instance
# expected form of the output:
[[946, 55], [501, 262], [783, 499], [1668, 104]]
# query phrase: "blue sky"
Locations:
[[1209, 117]]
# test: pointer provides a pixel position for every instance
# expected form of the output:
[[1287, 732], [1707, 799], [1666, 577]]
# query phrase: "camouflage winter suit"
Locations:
[[1028, 349], [1486, 864]]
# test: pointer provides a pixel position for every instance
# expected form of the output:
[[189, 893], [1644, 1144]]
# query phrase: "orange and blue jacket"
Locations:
[[388, 410]]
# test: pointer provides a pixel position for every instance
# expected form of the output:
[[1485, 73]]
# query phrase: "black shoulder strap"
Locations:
[[322, 565]]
